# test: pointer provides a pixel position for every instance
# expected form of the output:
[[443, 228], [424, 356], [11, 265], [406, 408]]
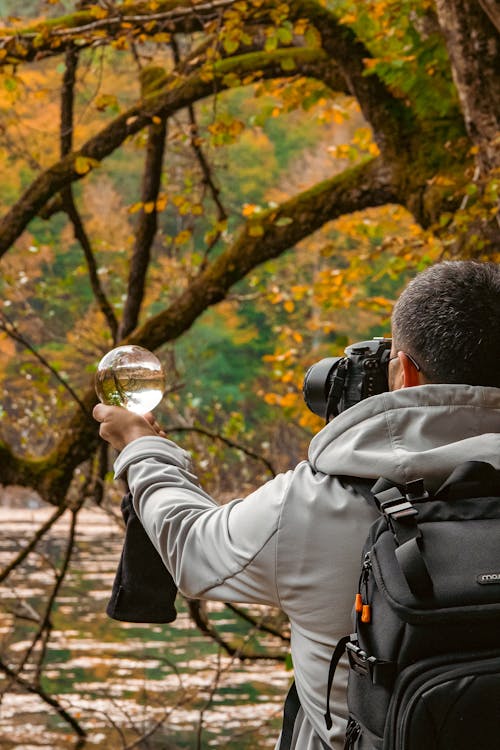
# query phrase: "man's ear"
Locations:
[[410, 376]]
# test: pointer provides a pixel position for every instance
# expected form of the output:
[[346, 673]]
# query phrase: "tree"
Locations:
[[425, 162], [424, 76]]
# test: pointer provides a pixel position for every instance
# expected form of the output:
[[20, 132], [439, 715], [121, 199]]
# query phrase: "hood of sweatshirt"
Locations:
[[423, 431]]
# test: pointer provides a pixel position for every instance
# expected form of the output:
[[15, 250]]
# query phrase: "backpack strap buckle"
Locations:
[[359, 660], [379, 671], [397, 508], [400, 510]]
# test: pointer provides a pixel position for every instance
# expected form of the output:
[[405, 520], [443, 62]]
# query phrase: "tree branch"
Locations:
[[13, 332], [208, 180], [176, 95], [98, 26], [69, 206], [391, 119], [261, 239], [266, 236], [198, 612], [227, 441], [45, 697], [257, 623], [23, 554], [66, 195], [147, 225]]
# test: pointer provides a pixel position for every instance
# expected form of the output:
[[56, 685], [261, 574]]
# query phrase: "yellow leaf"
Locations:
[[161, 202], [289, 306], [182, 237], [270, 398], [149, 207], [135, 207], [289, 399], [97, 12], [162, 38], [84, 164]]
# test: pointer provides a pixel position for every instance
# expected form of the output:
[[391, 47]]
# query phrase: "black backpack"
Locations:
[[425, 652]]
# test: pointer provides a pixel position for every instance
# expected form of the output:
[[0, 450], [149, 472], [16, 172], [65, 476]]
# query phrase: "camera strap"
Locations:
[[337, 389]]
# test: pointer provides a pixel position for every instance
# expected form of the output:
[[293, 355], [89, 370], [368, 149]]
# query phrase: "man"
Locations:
[[296, 541]]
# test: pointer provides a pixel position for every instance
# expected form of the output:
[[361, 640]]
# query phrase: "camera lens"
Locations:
[[317, 384]]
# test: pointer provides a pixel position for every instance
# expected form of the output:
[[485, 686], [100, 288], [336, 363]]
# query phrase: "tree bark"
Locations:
[[474, 47]]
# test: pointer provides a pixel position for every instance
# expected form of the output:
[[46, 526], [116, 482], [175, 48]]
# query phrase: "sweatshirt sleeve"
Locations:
[[224, 552]]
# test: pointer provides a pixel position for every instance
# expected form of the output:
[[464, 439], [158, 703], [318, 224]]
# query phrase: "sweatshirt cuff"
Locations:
[[151, 447]]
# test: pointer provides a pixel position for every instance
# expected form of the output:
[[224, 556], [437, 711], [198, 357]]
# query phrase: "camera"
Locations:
[[334, 384]]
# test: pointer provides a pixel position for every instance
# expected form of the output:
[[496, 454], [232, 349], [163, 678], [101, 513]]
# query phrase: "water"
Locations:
[[119, 678], [130, 376], [138, 390]]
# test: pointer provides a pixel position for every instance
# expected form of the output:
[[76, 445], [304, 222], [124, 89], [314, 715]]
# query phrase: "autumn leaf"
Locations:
[[84, 164], [249, 209]]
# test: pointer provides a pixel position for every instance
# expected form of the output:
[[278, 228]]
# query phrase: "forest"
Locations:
[[242, 187]]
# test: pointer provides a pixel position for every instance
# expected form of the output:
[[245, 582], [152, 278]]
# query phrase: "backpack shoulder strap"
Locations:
[[393, 501], [290, 711]]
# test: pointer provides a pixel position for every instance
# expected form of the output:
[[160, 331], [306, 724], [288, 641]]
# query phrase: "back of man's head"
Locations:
[[448, 320]]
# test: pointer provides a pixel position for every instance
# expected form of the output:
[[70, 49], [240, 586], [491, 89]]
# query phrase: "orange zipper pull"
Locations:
[[366, 613]]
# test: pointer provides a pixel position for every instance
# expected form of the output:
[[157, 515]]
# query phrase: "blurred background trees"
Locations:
[[241, 186]]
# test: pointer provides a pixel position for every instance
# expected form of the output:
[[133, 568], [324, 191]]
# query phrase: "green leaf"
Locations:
[[288, 63], [285, 35], [230, 45]]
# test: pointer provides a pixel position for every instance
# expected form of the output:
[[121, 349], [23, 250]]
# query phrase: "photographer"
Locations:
[[295, 542]]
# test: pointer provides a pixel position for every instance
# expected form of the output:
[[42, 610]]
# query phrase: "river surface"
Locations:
[[122, 680]]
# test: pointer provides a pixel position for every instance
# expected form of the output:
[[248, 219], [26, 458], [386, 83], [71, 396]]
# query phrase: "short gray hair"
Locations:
[[448, 320]]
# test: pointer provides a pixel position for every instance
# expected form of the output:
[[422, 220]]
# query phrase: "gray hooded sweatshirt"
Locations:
[[296, 541]]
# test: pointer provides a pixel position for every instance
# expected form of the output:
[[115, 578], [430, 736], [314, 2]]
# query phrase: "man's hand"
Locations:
[[119, 426]]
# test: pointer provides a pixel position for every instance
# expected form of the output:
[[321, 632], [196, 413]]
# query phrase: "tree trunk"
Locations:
[[474, 47]]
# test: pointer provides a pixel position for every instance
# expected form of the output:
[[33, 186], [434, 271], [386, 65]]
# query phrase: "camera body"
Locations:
[[334, 384]]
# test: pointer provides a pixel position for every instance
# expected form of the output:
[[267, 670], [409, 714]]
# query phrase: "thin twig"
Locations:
[[197, 611], [23, 554], [11, 330], [258, 624], [230, 443], [45, 628], [49, 699]]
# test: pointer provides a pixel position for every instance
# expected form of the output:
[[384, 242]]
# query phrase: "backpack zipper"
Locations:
[[361, 604], [352, 733]]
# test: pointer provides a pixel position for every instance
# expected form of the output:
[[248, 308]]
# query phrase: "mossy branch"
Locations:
[[99, 25], [177, 94]]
